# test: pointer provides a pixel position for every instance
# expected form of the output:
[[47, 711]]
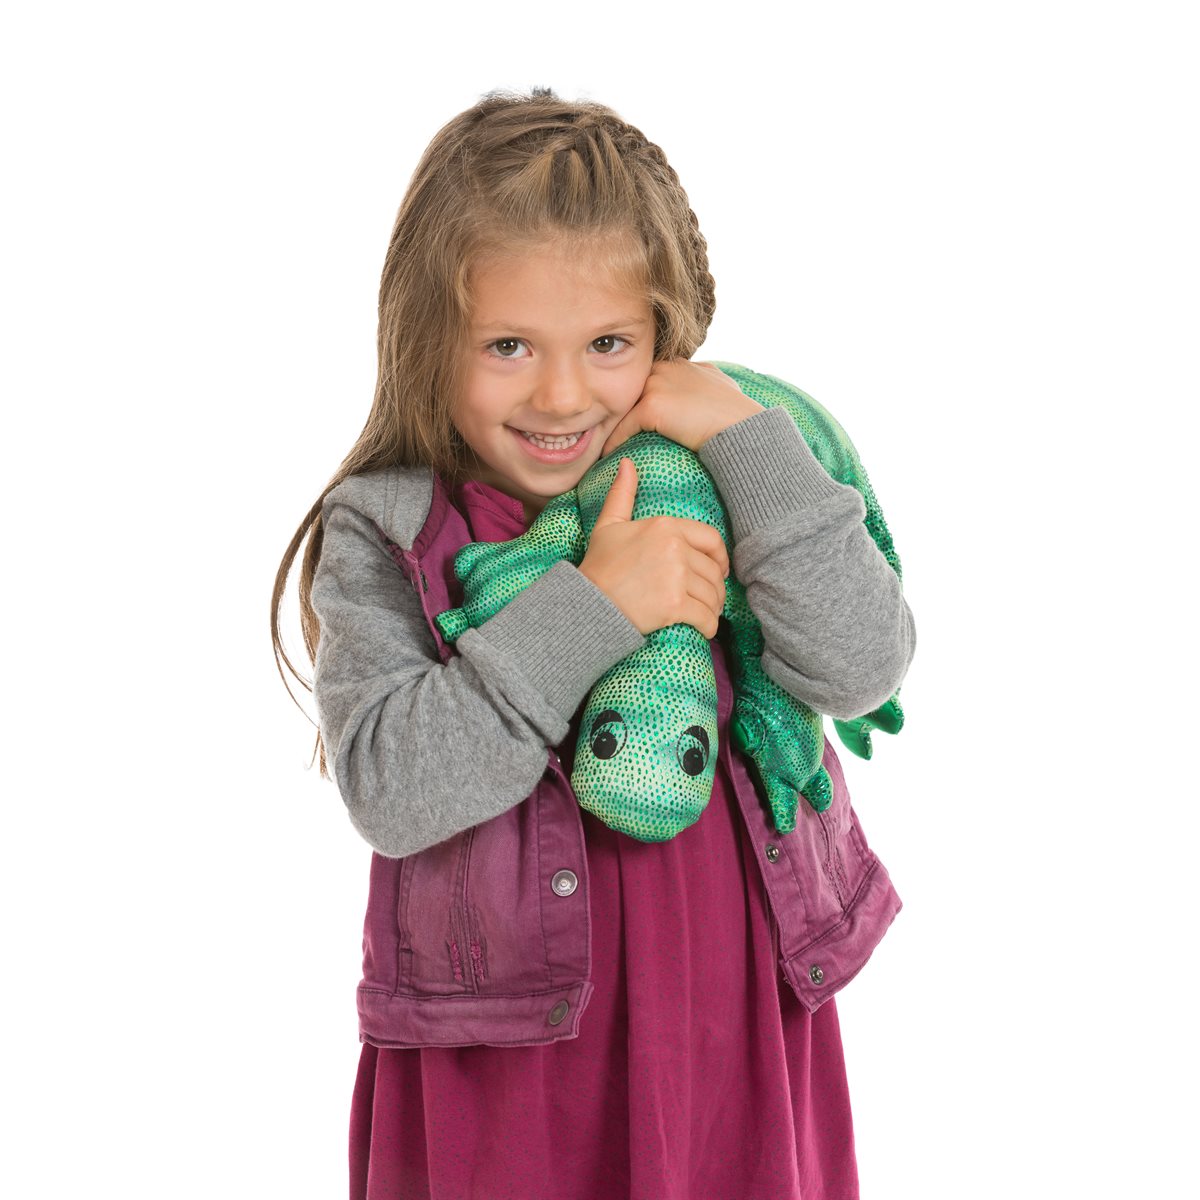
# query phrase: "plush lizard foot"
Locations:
[[818, 791], [856, 734]]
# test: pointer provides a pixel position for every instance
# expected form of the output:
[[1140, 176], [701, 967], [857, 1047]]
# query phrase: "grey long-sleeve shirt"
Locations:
[[422, 750]]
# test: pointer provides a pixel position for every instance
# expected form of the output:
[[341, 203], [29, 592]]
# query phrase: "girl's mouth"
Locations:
[[557, 452]]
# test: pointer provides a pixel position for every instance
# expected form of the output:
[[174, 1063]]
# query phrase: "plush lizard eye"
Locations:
[[608, 733], [692, 749]]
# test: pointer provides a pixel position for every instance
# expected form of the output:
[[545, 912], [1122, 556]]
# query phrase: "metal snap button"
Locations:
[[564, 882], [772, 852], [816, 974], [558, 1012]]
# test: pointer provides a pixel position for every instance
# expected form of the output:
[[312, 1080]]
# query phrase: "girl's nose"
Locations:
[[561, 391]]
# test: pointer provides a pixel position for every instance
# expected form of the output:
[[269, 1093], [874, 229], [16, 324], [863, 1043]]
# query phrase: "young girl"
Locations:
[[549, 1007]]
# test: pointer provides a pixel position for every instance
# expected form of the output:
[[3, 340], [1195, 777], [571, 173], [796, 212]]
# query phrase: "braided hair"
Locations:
[[539, 163]]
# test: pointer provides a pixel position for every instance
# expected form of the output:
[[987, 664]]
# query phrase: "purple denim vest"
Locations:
[[486, 937]]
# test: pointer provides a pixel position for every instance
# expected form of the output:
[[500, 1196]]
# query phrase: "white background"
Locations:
[[968, 230]]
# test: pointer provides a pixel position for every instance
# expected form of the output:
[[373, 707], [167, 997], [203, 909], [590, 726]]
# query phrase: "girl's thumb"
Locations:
[[618, 503]]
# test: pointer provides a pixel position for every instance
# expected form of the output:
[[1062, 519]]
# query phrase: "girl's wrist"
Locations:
[[751, 408]]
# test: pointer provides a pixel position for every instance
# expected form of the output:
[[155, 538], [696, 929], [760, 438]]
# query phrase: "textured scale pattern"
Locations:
[[646, 755]]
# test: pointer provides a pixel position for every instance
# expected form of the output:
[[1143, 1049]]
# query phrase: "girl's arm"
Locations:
[[837, 631], [422, 750]]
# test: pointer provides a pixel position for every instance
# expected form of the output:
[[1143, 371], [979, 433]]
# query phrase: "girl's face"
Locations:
[[557, 345]]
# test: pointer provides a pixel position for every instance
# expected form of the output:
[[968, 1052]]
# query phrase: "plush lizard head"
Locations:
[[647, 747]]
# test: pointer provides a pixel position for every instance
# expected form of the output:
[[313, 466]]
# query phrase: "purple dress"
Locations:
[[697, 1073]]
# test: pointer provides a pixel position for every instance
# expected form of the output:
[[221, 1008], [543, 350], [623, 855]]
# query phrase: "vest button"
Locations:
[[816, 974], [772, 852], [558, 1012], [564, 882]]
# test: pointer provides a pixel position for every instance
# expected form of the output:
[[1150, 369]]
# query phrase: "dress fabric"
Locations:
[[697, 1073]]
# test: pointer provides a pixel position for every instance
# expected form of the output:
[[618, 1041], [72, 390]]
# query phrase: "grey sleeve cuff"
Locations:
[[764, 470], [563, 632]]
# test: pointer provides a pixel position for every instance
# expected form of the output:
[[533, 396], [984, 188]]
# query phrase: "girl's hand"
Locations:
[[658, 571], [686, 401]]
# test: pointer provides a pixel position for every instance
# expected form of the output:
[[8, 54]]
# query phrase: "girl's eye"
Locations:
[[506, 342], [610, 338]]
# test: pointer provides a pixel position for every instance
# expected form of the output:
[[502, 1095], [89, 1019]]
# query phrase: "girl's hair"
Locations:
[[513, 171]]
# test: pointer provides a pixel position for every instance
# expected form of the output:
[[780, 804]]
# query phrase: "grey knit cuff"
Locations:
[[764, 469], [563, 632]]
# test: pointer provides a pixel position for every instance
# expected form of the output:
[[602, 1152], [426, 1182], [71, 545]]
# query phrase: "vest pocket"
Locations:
[[404, 954], [847, 857], [440, 952], [464, 941]]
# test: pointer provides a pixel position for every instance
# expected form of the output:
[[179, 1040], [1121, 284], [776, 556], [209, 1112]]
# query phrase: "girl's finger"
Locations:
[[707, 593], [700, 616], [710, 572], [619, 500], [704, 537]]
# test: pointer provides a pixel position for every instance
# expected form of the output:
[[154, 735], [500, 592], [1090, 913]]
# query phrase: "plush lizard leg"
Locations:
[[781, 735], [856, 733], [787, 760], [492, 573]]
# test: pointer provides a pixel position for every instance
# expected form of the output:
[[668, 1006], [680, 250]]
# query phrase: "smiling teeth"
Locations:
[[551, 443]]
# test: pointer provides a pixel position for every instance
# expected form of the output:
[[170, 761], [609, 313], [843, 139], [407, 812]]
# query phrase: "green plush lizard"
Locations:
[[647, 748]]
